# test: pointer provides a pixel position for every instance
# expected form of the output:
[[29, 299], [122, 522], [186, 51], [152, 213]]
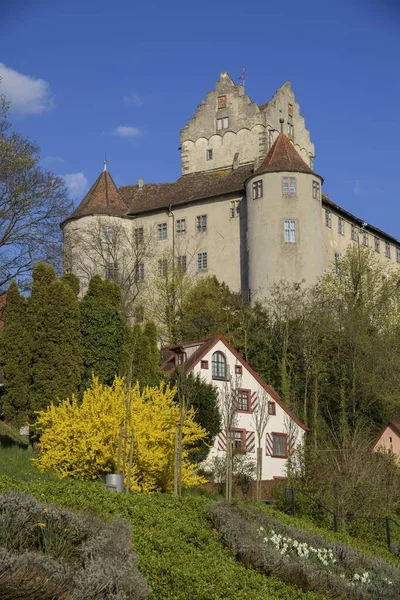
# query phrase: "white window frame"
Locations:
[[180, 226], [257, 189], [377, 244], [222, 123], [388, 252], [112, 271], [365, 239], [289, 186], [341, 225], [162, 231], [234, 208], [202, 261], [162, 266], [289, 229], [316, 189], [290, 129], [328, 218], [209, 154], [182, 263], [139, 235], [354, 233], [139, 272], [107, 234], [201, 223]]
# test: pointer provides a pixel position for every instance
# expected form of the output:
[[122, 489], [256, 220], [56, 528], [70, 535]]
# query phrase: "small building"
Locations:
[[218, 363], [389, 439]]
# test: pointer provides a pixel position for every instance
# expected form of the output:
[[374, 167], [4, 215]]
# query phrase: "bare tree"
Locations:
[[33, 202], [260, 420], [116, 249]]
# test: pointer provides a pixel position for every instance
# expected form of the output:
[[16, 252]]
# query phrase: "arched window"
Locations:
[[218, 366]]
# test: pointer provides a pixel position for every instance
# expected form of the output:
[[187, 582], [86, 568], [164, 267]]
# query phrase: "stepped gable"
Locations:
[[188, 188], [283, 156], [103, 198]]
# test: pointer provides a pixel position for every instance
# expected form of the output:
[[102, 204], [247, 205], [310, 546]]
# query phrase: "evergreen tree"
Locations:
[[105, 335], [15, 357], [56, 362], [145, 356]]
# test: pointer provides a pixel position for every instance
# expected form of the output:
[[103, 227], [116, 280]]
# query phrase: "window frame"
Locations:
[[162, 266], [290, 129], [257, 189], [139, 236], [204, 364], [209, 154], [328, 218], [221, 102], [341, 225], [289, 230], [316, 189], [242, 432], [238, 370], [271, 408], [112, 271], [281, 435], [234, 208], [365, 239], [239, 402], [290, 184], [179, 230], [182, 262], [398, 255], [377, 244], [139, 272], [201, 223], [107, 234], [222, 123], [388, 251], [162, 228], [215, 366], [202, 265], [354, 233]]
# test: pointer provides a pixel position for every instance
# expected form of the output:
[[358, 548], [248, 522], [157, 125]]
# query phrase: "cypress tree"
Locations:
[[15, 357], [56, 357], [105, 335], [145, 355]]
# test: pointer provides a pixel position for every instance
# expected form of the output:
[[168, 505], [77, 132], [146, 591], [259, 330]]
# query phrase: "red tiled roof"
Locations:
[[103, 198], [204, 346], [283, 156]]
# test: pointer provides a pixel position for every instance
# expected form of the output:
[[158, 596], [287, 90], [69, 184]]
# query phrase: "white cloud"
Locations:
[[125, 131], [357, 188], [76, 183], [53, 159], [133, 99], [28, 95]]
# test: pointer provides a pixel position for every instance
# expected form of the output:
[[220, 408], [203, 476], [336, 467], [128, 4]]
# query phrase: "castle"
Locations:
[[248, 207]]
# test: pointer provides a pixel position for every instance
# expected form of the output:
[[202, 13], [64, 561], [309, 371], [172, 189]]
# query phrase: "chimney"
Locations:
[[140, 183]]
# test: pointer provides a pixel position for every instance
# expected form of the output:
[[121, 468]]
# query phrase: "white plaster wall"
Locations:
[[272, 467]]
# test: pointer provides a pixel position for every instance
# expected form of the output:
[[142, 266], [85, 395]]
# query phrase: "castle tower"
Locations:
[[285, 237]]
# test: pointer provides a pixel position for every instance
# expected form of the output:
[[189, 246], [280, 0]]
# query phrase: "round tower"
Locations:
[[285, 236]]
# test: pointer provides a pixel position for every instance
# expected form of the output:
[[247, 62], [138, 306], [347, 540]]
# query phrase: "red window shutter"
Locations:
[[250, 441]]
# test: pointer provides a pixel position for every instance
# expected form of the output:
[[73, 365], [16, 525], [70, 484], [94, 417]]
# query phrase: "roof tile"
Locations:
[[283, 156]]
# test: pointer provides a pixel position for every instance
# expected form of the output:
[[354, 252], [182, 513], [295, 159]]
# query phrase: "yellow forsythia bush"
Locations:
[[80, 439]]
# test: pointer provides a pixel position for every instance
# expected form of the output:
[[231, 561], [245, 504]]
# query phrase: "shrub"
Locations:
[[294, 556], [49, 552]]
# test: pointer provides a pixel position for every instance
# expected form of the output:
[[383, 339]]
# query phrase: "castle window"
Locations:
[[328, 218], [290, 110], [221, 102], [365, 239], [398, 254], [377, 244], [107, 234], [202, 261], [222, 123], [209, 154], [387, 250], [316, 190], [218, 364], [201, 223], [279, 445], [234, 208], [337, 263], [290, 231], [139, 272], [112, 271], [290, 129], [288, 186], [162, 266], [341, 226], [182, 263], [244, 400], [257, 189], [180, 226], [354, 233], [139, 237], [162, 231]]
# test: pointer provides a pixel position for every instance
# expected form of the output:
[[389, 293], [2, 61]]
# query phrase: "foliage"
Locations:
[[9, 437], [15, 357], [55, 342], [243, 469], [294, 556], [203, 398], [33, 203], [145, 356], [81, 439], [179, 554], [47, 552], [105, 335]]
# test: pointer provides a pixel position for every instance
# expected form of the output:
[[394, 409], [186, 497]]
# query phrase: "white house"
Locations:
[[218, 363]]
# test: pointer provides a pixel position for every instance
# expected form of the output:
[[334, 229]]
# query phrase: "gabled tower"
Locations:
[[285, 234]]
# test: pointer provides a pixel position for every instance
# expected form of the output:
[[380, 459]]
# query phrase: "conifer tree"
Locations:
[[15, 357], [56, 362], [105, 335], [145, 355]]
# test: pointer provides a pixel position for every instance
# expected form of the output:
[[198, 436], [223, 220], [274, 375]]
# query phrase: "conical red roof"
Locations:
[[103, 198], [283, 156]]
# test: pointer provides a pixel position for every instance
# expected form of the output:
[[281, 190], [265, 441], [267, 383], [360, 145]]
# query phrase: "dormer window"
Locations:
[[181, 358]]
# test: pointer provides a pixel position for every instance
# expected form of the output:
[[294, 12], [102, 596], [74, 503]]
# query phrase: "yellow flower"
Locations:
[[42, 524], [45, 510]]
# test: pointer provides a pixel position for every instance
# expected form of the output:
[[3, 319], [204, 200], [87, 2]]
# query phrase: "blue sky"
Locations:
[[122, 78]]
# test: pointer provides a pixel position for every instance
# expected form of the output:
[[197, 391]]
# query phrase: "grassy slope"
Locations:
[[180, 555]]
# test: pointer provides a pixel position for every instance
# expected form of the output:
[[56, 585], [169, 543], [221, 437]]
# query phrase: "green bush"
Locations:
[[334, 569]]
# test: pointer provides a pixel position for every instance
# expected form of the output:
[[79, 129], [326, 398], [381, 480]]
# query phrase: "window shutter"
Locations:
[[250, 441], [253, 401], [222, 441], [268, 444]]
